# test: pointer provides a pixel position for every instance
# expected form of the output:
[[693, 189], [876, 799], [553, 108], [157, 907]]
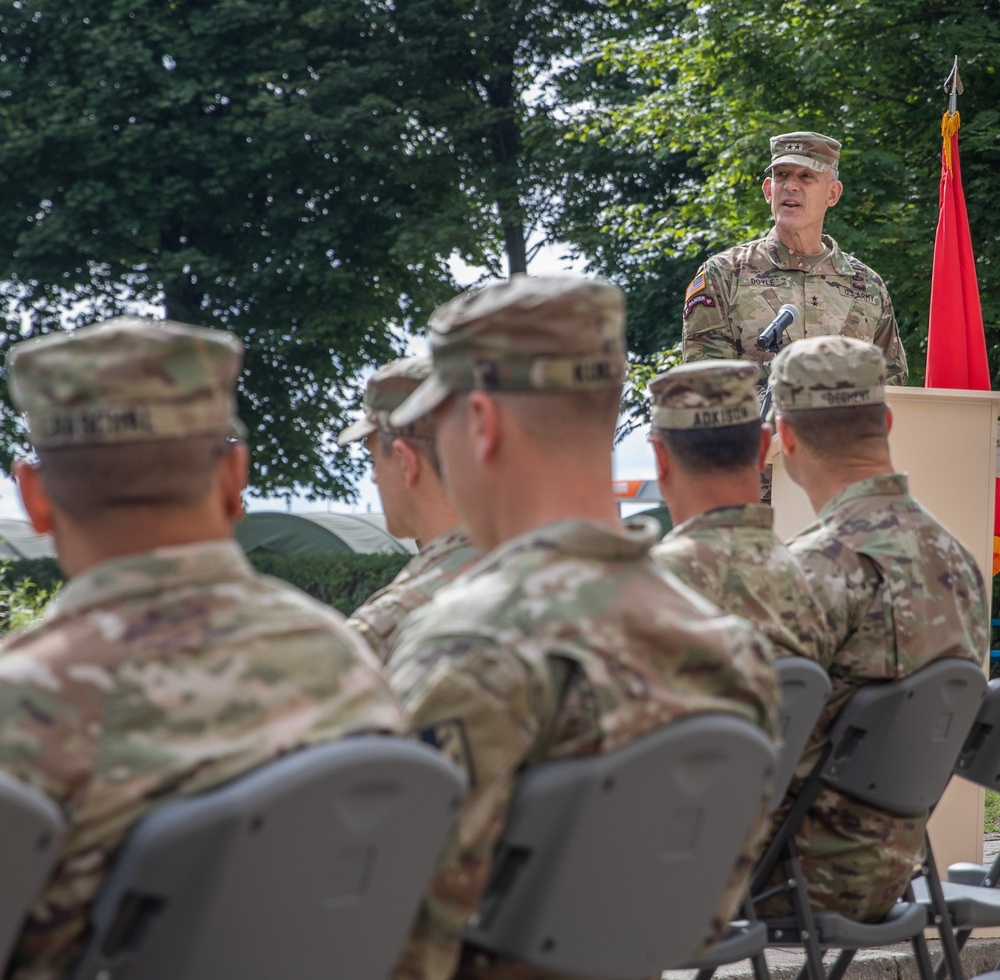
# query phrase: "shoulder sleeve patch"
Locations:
[[697, 301], [450, 738], [695, 286]]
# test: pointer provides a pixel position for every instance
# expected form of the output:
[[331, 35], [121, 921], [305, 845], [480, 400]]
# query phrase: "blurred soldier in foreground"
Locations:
[[710, 446], [897, 588], [407, 472], [565, 639], [166, 665], [737, 293]]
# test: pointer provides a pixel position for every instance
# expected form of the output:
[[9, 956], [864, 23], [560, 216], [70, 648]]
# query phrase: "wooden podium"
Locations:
[[946, 440]]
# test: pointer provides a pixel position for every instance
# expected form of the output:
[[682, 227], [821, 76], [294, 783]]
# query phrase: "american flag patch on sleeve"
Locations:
[[696, 286]]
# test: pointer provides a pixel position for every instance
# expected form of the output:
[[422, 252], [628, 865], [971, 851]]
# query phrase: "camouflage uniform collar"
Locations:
[[779, 254], [883, 485], [457, 537], [587, 539], [746, 515], [212, 562]]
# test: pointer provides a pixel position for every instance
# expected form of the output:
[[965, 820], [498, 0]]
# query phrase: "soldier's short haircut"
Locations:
[[561, 417], [88, 481], [424, 445], [836, 431], [731, 447]]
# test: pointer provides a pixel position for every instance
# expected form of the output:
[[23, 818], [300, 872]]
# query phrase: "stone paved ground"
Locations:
[[888, 963]]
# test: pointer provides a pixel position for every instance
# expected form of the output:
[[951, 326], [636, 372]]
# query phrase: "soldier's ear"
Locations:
[[786, 436], [766, 188], [36, 502], [888, 420], [766, 434], [664, 465], [833, 195], [485, 425], [232, 471], [408, 460]]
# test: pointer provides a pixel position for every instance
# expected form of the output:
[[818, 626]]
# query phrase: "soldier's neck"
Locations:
[[804, 243], [689, 495], [826, 482], [134, 530]]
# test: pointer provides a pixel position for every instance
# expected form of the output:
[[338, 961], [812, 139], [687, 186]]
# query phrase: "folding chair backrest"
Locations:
[[895, 743], [979, 760], [613, 865], [804, 687], [31, 833], [309, 867]]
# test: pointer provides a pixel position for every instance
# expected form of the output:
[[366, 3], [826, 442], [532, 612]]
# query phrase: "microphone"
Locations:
[[770, 339]]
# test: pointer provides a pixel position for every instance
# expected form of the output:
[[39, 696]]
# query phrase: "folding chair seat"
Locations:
[[892, 746], [613, 865], [32, 828], [804, 687], [970, 899], [311, 867]]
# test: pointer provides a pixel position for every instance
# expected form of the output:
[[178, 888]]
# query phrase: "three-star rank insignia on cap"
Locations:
[[696, 286]]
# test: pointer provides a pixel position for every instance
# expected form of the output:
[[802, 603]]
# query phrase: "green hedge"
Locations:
[[343, 581]]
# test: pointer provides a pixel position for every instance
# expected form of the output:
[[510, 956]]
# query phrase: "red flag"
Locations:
[[956, 343]]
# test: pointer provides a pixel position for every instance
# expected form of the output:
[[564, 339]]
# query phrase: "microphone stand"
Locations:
[[779, 342]]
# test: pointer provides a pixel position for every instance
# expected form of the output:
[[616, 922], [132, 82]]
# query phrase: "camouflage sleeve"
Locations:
[[832, 590], [367, 623], [50, 723], [707, 331], [887, 337], [480, 704]]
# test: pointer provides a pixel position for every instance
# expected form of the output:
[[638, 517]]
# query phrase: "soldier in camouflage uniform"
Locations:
[[407, 472], [737, 293], [899, 591], [166, 665], [565, 639], [710, 445]]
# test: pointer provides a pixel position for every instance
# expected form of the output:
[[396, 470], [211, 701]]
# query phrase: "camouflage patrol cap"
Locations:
[[386, 390], [129, 379], [705, 395], [546, 333], [828, 372], [812, 150]]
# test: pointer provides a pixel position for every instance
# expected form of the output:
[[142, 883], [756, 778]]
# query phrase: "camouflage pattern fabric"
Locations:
[[737, 293], [899, 592], [128, 379], [163, 674], [564, 641], [440, 562], [732, 556]]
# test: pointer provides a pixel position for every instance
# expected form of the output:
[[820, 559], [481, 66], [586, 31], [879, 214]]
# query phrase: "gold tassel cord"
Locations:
[[950, 123]]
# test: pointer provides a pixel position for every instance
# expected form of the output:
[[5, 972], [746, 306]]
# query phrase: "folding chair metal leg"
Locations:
[[760, 970], [923, 957], [843, 961], [705, 974], [803, 913], [951, 960]]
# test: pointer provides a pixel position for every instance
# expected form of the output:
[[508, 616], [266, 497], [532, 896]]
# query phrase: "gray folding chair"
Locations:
[[970, 899], [613, 865], [804, 688], [310, 867], [32, 828], [892, 746]]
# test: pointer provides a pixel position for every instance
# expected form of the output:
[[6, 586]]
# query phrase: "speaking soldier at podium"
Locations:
[[739, 293]]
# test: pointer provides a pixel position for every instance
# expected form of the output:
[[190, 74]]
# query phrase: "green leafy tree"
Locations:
[[249, 165], [724, 76]]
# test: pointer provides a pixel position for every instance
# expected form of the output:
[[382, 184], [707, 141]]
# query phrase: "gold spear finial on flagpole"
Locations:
[[954, 87], [951, 120]]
